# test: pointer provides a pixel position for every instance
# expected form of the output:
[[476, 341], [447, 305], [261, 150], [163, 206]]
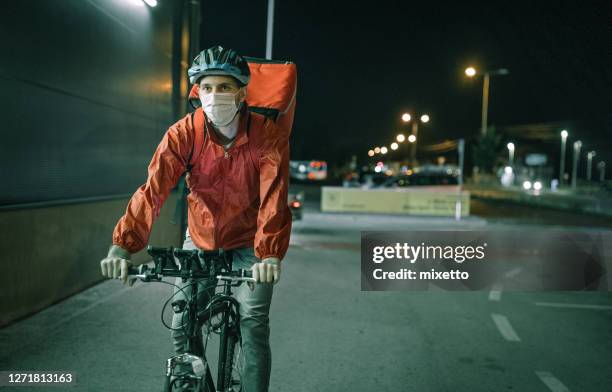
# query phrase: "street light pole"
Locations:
[[602, 171], [562, 163], [471, 72], [270, 30], [485, 104], [414, 137], [511, 155], [577, 146], [590, 156], [413, 148]]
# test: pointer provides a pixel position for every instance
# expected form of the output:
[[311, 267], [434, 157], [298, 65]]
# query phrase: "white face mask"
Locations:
[[220, 108]]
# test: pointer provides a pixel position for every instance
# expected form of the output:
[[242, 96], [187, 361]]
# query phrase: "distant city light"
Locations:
[[508, 170], [537, 185], [406, 117], [383, 150], [527, 185], [425, 118], [412, 138], [400, 138], [377, 150], [470, 71], [371, 153], [377, 169], [394, 146]]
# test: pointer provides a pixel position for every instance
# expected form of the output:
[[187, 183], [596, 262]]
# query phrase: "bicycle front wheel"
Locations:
[[233, 364]]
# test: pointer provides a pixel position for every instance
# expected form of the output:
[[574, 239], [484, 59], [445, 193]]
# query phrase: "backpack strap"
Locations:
[[197, 123], [200, 134], [254, 159]]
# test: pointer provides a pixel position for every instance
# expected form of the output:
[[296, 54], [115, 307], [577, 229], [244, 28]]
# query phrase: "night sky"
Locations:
[[362, 64]]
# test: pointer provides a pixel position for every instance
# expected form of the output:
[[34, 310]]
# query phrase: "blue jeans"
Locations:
[[254, 322]]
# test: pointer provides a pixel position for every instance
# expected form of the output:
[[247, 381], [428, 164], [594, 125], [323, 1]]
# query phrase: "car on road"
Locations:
[[308, 170], [296, 204]]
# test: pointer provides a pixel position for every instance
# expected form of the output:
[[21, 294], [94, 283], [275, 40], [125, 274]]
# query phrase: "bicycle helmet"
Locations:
[[219, 61]]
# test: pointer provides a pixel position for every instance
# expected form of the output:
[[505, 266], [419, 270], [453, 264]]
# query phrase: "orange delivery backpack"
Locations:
[[271, 92]]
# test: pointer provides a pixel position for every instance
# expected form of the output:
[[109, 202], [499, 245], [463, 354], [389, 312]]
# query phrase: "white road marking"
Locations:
[[552, 382], [573, 306], [496, 291], [512, 273], [504, 327]]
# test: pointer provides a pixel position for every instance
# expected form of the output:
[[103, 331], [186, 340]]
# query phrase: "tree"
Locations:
[[485, 150]]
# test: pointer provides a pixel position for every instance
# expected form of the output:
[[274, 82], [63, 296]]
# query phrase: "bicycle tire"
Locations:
[[166, 387], [231, 372]]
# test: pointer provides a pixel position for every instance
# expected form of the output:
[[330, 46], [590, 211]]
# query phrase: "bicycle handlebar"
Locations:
[[196, 264]]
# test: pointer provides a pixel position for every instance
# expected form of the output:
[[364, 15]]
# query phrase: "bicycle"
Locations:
[[190, 370]]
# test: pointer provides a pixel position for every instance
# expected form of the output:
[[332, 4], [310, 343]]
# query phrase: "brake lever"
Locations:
[[237, 279]]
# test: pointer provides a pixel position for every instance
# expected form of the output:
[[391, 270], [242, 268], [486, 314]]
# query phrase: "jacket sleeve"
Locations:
[[168, 164], [274, 218]]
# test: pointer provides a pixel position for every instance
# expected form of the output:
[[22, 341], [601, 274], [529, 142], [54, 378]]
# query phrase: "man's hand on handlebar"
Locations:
[[115, 264], [268, 271]]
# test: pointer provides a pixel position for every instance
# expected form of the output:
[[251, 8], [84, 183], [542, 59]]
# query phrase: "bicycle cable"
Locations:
[[182, 290]]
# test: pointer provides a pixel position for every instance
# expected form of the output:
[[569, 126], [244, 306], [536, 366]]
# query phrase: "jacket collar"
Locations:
[[242, 136]]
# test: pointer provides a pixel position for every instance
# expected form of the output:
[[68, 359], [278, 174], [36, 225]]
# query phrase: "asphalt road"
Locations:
[[328, 335]]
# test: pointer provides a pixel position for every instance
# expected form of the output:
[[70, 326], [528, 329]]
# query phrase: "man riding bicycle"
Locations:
[[238, 199]]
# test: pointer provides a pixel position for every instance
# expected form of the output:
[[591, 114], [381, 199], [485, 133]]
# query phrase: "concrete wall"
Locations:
[[432, 201], [50, 253]]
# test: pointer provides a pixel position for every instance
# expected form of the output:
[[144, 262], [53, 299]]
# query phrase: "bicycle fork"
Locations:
[[225, 334]]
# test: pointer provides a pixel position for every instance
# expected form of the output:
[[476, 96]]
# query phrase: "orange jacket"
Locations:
[[238, 197]]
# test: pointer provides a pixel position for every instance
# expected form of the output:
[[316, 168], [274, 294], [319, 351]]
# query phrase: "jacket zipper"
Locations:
[[226, 155]]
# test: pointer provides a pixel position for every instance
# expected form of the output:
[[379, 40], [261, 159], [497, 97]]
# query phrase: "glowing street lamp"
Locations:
[[470, 72], [406, 117], [371, 153], [400, 138], [564, 135], [394, 146], [412, 138], [377, 150], [425, 118], [383, 150]]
